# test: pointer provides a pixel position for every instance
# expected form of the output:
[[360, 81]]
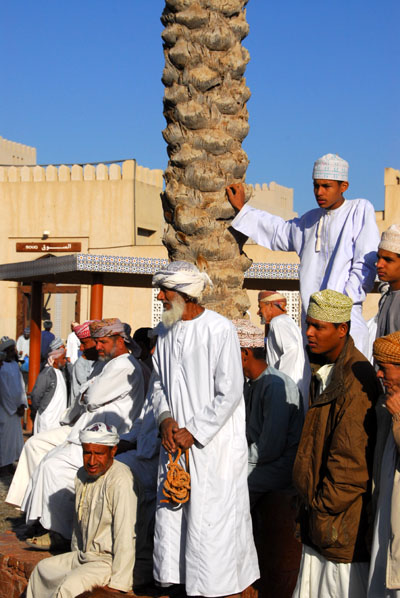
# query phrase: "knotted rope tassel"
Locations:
[[177, 484]]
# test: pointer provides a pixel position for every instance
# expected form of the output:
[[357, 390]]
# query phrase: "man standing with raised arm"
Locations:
[[336, 242]]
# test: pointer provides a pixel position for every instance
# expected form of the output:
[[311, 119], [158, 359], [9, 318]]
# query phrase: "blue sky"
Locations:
[[81, 81]]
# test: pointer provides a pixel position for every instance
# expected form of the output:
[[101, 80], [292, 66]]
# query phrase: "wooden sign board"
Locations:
[[48, 247]]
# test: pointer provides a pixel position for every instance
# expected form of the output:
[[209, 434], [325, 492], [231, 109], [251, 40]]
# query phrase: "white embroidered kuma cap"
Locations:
[[331, 167]]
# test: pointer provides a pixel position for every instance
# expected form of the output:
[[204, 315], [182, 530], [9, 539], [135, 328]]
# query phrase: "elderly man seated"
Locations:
[[102, 550], [115, 397], [40, 444]]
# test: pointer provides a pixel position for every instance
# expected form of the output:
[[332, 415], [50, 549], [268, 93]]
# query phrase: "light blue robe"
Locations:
[[337, 250]]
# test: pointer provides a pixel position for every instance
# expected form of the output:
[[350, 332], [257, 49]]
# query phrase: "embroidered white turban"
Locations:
[[99, 433], [331, 167], [390, 240], [330, 306], [250, 336], [183, 277]]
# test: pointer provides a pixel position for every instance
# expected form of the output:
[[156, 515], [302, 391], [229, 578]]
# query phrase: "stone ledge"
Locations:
[[17, 561]]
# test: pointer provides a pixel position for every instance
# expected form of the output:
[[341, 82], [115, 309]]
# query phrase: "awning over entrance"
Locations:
[[111, 270]]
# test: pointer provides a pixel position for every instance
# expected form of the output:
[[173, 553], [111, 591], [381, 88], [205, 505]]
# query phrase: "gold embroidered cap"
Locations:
[[330, 306]]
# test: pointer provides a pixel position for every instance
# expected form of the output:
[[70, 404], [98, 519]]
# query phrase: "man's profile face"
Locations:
[[173, 304], [329, 193], [322, 337], [265, 312], [88, 347], [97, 458], [389, 373], [388, 266], [106, 347], [61, 361], [167, 297]]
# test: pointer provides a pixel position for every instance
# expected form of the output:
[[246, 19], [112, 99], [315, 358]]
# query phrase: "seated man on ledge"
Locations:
[[103, 545]]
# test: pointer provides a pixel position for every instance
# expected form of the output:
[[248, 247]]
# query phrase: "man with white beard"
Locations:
[[115, 397], [206, 543]]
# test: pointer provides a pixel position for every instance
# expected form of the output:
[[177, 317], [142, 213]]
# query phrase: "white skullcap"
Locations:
[[250, 336], [331, 167], [390, 240], [183, 277], [99, 433]]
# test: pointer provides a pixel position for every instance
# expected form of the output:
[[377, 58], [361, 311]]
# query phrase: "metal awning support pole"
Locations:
[[96, 298], [35, 339]]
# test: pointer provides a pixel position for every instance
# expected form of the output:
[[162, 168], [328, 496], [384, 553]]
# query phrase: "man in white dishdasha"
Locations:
[[207, 543]]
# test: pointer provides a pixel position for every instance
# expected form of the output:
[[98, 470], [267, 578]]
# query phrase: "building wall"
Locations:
[[16, 153], [104, 208], [116, 210]]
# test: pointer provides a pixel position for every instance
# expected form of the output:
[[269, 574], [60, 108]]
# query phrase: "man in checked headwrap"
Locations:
[[283, 341], [384, 576], [206, 543], [49, 395], [333, 466], [102, 548], [38, 445], [115, 397]]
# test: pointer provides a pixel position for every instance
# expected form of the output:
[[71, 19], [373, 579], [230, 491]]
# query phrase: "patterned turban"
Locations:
[[82, 330], [330, 306], [270, 297], [387, 349], [56, 343], [390, 240], [331, 167], [106, 327], [6, 342], [99, 433], [250, 336], [183, 277], [55, 354]]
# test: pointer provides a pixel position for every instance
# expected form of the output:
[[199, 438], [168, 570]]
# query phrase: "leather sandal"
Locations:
[[48, 541]]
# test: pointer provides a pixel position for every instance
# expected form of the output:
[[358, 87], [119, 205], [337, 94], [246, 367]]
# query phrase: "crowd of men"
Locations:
[[291, 436]]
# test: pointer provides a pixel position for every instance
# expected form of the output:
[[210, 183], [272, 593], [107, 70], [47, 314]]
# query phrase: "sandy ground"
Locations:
[[9, 516]]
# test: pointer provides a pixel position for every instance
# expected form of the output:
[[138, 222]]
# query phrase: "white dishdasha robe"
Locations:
[[103, 542], [50, 417], [114, 397], [285, 352], [337, 250], [206, 544], [37, 446]]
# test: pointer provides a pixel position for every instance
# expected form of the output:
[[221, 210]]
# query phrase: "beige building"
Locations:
[[18, 154], [115, 210]]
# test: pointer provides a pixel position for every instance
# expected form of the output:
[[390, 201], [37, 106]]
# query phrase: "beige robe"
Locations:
[[103, 541]]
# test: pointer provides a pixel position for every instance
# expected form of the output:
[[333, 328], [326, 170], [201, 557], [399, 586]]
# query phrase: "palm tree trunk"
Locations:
[[207, 120]]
